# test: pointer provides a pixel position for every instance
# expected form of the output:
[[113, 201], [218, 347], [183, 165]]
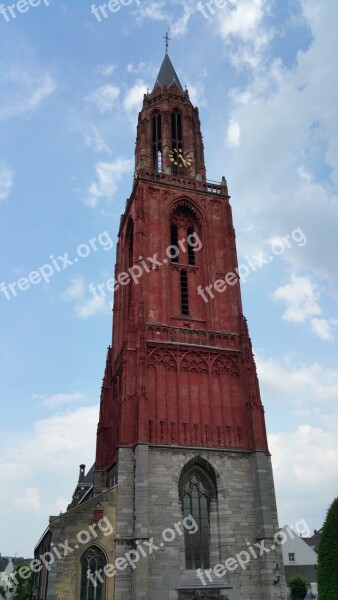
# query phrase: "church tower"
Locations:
[[180, 504], [181, 428]]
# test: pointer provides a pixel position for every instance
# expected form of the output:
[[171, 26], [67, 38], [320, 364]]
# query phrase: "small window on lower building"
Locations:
[[292, 557], [92, 579]]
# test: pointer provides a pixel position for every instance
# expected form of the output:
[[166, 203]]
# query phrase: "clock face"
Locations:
[[180, 158]]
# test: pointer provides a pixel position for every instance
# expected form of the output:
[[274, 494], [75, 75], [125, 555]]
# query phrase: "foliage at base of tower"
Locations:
[[2, 592], [328, 556], [298, 587], [24, 577]]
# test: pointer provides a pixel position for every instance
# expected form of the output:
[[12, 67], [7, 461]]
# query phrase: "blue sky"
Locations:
[[263, 74]]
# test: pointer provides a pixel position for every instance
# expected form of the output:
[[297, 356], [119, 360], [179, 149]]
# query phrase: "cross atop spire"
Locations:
[[167, 40]]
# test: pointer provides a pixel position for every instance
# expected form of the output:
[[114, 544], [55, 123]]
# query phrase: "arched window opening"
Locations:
[[92, 576], [174, 241], [157, 141], [184, 293], [196, 503], [185, 235], [176, 138], [191, 251]]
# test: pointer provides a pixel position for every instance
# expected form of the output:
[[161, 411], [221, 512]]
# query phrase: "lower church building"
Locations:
[[180, 502]]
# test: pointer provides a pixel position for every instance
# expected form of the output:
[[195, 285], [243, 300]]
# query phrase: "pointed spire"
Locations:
[[167, 75]]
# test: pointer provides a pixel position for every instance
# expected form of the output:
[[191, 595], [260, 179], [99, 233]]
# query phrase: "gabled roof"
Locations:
[[167, 75], [3, 564]]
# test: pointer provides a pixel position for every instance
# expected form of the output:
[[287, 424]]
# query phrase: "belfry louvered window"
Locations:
[[176, 137], [196, 503], [184, 293], [191, 250], [157, 140]]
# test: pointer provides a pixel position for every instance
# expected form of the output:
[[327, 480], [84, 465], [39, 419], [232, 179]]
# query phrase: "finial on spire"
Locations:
[[167, 40]]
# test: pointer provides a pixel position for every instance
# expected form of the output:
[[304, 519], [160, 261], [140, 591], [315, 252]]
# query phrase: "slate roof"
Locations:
[[3, 564], [167, 75], [17, 560], [89, 477]]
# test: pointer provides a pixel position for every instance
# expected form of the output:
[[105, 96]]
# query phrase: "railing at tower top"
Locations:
[[212, 187]]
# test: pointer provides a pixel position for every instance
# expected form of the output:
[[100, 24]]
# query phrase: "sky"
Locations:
[[264, 76]]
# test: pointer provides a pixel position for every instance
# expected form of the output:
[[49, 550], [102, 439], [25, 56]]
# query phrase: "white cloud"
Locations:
[[243, 18], [300, 296], [142, 69], [6, 181], [233, 134], [304, 449], [321, 327], [305, 459], [57, 400], [196, 93], [288, 121], [93, 140], [75, 291], [153, 10], [241, 25], [40, 465], [24, 90], [297, 384], [86, 304], [134, 96], [108, 176], [104, 98], [106, 70], [28, 500], [93, 306], [180, 26]]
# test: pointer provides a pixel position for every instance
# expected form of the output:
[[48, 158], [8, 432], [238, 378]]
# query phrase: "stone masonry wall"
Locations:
[[64, 576]]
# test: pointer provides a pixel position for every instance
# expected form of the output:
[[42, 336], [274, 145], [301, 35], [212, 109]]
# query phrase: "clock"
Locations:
[[180, 158]]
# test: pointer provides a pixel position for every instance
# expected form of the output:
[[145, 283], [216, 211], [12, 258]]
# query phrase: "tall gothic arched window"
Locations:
[[196, 502], [176, 136], [156, 126], [93, 562], [185, 241]]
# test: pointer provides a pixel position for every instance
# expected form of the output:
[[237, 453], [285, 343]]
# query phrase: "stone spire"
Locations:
[[167, 75]]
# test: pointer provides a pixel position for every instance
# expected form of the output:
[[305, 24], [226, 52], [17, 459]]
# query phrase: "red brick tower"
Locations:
[[180, 386]]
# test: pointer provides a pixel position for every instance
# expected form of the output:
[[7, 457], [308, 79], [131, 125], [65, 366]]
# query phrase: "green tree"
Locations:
[[327, 573], [298, 587], [2, 592], [24, 577]]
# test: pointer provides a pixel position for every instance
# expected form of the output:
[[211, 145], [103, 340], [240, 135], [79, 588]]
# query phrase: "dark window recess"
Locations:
[[157, 141], [92, 561], [184, 293], [176, 126], [174, 241], [196, 504], [191, 251], [176, 138]]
